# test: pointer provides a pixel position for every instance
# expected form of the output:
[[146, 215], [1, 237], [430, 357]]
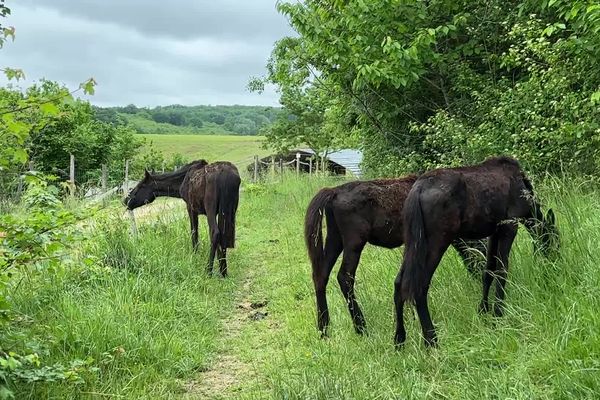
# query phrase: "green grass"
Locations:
[[151, 297], [237, 149]]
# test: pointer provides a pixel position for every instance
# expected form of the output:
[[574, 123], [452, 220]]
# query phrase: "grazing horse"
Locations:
[[208, 189], [470, 202], [358, 213]]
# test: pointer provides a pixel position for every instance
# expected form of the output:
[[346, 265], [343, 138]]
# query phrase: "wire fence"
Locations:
[[299, 163], [118, 178]]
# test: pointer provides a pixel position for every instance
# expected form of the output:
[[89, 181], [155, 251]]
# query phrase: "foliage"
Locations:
[[449, 82], [312, 114], [36, 242], [75, 130]]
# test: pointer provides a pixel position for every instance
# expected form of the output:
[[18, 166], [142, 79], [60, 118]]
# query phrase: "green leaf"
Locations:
[[88, 86], [20, 156], [49, 108]]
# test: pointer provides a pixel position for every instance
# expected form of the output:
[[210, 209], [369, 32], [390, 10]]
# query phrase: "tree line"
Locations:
[[236, 119]]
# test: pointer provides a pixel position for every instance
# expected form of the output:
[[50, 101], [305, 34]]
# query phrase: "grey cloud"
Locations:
[[134, 63], [183, 19]]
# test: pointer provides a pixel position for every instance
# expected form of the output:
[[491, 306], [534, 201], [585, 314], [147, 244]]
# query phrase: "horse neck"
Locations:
[[535, 221], [168, 184]]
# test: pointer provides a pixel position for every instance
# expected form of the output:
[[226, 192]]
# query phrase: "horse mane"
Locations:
[[180, 172], [502, 160]]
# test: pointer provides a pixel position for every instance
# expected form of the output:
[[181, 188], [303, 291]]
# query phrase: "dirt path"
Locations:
[[224, 377]]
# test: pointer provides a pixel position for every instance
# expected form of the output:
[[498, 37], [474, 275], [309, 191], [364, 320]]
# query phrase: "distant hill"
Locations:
[[203, 120]]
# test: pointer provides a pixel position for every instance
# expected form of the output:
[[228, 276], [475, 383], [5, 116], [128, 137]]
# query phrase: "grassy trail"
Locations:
[[545, 347], [157, 326]]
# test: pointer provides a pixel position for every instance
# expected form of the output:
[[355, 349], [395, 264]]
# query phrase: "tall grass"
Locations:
[[546, 346], [146, 312], [153, 320]]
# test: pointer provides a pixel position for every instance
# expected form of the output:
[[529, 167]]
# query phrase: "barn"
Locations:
[[341, 162]]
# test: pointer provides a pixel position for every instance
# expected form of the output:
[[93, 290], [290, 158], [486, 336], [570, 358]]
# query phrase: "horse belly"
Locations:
[[480, 230], [389, 238]]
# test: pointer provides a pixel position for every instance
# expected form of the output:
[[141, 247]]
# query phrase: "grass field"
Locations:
[[237, 149], [157, 326]]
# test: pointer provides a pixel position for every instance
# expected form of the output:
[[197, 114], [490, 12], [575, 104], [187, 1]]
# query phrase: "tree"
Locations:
[[313, 111], [449, 82]]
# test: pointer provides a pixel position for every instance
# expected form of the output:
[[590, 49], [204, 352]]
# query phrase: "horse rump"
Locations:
[[313, 226], [228, 186], [415, 253]]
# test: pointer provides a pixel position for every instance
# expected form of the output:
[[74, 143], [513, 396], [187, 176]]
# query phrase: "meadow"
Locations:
[[237, 149], [150, 323]]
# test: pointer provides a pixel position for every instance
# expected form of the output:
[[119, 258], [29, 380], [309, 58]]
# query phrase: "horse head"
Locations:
[[544, 232], [143, 193]]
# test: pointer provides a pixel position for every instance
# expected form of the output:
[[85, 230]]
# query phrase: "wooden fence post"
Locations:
[[256, 168], [272, 165], [134, 230], [126, 183], [297, 164], [72, 174], [281, 166], [31, 165], [104, 181], [310, 166]]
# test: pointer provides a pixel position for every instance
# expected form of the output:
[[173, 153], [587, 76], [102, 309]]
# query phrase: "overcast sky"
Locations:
[[148, 52]]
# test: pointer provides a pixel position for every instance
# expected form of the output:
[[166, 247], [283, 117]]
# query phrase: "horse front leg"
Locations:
[[506, 237], [489, 273], [472, 253]]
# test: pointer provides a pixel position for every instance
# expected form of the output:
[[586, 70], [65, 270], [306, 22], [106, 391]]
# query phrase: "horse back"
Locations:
[[371, 211], [474, 199]]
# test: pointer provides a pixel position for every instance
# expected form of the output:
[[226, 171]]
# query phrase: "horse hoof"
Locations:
[[484, 308], [431, 342], [498, 311], [399, 340], [361, 330]]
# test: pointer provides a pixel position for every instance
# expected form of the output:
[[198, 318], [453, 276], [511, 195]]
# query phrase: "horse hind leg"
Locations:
[[346, 278], [222, 256], [194, 227], [400, 335], [333, 248], [434, 256], [433, 260], [214, 240]]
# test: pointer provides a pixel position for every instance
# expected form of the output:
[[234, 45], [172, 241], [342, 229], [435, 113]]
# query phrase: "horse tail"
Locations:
[[228, 186], [415, 254], [313, 225]]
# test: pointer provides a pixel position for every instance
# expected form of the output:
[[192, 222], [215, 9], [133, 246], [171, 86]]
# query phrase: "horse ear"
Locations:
[[550, 216], [146, 174]]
